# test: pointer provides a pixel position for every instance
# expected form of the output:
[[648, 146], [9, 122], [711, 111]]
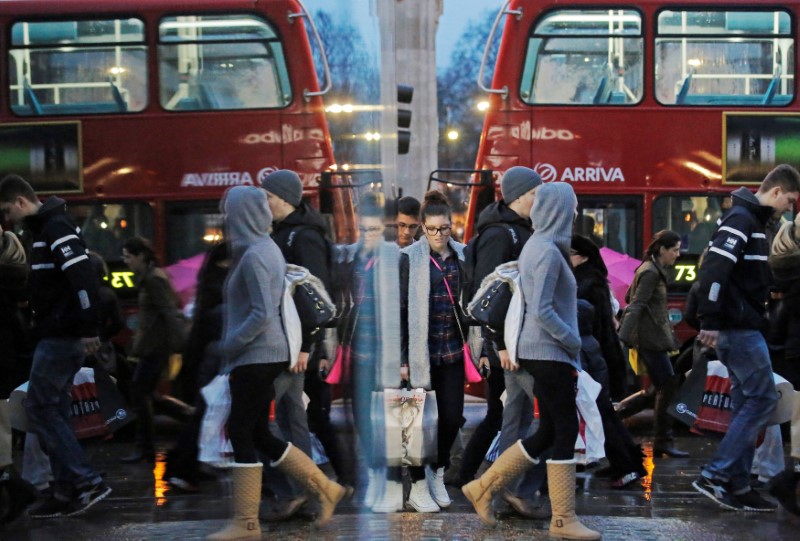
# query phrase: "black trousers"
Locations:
[[554, 386], [488, 428], [448, 382], [252, 390]]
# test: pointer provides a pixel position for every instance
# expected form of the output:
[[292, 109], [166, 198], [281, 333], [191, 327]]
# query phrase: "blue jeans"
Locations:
[[518, 424], [744, 353], [48, 403]]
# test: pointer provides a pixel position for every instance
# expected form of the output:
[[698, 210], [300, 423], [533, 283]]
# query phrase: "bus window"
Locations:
[[585, 57], [106, 226], [192, 228], [614, 223], [694, 218], [724, 58], [221, 62], [77, 67]]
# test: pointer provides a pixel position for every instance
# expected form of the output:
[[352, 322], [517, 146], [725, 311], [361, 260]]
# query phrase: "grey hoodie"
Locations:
[[550, 324], [253, 331]]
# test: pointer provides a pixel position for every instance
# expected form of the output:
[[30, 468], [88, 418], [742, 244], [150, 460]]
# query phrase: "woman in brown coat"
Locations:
[[646, 327]]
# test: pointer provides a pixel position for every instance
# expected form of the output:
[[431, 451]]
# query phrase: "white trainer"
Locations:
[[376, 486], [392, 499], [420, 498], [435, 481]]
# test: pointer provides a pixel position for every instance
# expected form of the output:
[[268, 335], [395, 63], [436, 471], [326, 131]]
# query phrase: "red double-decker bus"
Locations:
[[141, 113], [653, 110]]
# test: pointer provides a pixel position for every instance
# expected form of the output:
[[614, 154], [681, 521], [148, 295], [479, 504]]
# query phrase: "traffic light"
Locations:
[[405, 94]]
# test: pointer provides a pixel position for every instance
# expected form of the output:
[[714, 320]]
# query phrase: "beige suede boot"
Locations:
[[246, 480], [297, 464], [561, 484], [513, 462]]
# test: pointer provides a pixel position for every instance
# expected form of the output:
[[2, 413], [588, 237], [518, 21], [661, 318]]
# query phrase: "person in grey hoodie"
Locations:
[[255, 349], [548, 348]]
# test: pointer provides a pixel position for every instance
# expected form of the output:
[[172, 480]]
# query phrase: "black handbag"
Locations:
[[314, 311], [490, 308]]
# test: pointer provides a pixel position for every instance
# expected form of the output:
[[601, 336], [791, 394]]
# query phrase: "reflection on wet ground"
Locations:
[[662, 507]]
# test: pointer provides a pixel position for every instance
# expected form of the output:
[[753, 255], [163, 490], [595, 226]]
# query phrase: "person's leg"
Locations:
[[145, 380], [318, 413], [36, 464], [486, 431], [448, 382], [662, 374], [745, 355]]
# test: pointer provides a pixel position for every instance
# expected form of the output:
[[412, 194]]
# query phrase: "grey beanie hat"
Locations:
[[517, 182], [285, 184]]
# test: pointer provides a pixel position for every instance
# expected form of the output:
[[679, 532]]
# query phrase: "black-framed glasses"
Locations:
[[373, 229], [433, 231]]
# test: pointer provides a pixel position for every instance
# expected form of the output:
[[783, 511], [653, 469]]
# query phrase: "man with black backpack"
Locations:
[[299, 231], [503, 228]]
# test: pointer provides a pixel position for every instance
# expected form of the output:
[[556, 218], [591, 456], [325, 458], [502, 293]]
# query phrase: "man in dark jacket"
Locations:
[[299, 231], [63, 296], [734, 286], [503, 228]]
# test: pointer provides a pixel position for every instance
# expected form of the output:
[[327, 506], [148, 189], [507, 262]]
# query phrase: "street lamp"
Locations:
[[482, 106], [452, 135]]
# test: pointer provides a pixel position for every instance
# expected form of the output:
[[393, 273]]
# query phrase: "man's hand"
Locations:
[[404, 373], [708, 338], [91, 345], [505, 361], [302, 363]]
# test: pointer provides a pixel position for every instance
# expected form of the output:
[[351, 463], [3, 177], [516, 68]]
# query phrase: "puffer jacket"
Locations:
[[645, 323]]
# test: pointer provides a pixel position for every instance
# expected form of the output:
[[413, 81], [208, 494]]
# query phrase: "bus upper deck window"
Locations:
[[585, 57], [209, 62], [77, 67], [724, 58]]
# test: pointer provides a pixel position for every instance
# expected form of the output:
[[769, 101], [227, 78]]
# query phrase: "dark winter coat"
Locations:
[[63, 281], [156, 320], [735, 277], [645, 323], [593, 287], [495, 246]]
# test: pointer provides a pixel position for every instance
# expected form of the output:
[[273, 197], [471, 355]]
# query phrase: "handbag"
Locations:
[[686, 403], [341, 363], [491, 302], [314, 306], [471, 374], [213, 445]]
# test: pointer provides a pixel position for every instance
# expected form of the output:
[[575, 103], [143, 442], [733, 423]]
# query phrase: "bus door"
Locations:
[[614, 222], [468, 191]]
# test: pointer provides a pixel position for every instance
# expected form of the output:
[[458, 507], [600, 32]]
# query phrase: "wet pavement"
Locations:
[[663, 507]]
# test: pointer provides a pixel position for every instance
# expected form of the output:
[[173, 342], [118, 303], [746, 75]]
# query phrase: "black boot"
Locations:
[[140, 454], [783, 487], [663, 445]]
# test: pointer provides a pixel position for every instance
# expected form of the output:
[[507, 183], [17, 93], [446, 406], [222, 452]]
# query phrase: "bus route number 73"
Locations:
[[122, 279], [685, 273]]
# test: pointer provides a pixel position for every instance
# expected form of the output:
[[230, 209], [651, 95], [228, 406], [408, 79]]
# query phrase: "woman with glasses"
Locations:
[[371, 333], [431, 276]]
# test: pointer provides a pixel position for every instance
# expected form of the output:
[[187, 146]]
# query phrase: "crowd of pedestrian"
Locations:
[[401, 323]]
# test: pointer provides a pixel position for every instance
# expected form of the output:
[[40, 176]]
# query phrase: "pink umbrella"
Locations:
[[621, 268], [183, 275]]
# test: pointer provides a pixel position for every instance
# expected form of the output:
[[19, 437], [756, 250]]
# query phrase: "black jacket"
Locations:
[[735, 277], [593, 287], [495, 246], [63, 282], [301, 238]]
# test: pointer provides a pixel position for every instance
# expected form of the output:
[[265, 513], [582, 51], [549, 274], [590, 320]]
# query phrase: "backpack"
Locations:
[[470, 261]]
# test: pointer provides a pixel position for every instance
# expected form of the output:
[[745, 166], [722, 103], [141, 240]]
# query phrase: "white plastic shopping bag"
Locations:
[[214, 446], [590, 444]]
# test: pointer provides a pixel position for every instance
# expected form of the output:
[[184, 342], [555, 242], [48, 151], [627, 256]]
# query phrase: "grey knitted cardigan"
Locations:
[[550, 324]]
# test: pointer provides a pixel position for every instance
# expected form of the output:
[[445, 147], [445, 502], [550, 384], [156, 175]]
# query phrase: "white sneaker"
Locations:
[[392, 499], [376, 486], [435, 481], [420, 499]]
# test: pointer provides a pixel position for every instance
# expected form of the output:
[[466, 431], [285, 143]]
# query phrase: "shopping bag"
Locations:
[[590, 443], [716, 407], [686, 404], [494, 449], [318, 454], [214, 447], [115, 409], [86, 417], [411, 426]]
